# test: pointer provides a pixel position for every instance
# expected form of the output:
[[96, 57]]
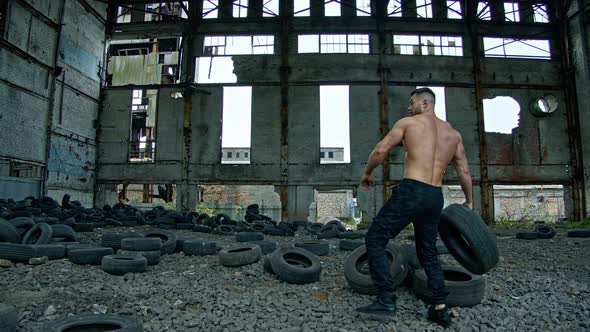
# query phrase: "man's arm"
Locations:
[[381, 151], [461, 166]]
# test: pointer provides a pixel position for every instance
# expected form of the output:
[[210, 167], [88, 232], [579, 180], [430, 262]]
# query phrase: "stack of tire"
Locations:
[[148, 247], [21, 239], [293, 265], [541, 231], [331, 230]]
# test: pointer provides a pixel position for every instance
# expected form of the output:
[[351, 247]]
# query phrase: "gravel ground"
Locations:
[[539, 285]]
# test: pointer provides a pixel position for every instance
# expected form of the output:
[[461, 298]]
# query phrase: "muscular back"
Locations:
[[431, 144]]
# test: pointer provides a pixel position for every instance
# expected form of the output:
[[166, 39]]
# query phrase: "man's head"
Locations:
[[422, 100]]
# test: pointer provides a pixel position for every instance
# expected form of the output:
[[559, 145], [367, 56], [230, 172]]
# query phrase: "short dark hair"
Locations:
[[424, 90]]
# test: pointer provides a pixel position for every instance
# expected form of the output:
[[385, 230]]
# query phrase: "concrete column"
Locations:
[[186, 197], [348, 8], [497, 10], [105, 194], [225, 9], [370, 201], [526, 12], [300, 197], [409, 8], [255, 8], [317, 8], [439, 9]]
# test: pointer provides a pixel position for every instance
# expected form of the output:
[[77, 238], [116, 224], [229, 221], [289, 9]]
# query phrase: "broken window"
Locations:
[[210, 8], [123, 14], [334, 123], [215, 69], [529, 203], [143, 125], [240, 8], [236, 124], [511, 12], [540, 14], [484, 12], [164, 11], [428, 45], [238, 45], [301, 8], [332, 8], [333, 43], [143, 61], [516, 48], [159, 194], [270, 8], [454, 9], [501, 114], [363, 7], [440, 108], [424, 8], [394, 8]]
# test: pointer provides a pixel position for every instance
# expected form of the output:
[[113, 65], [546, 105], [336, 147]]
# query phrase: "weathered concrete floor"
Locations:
[[540, 285]]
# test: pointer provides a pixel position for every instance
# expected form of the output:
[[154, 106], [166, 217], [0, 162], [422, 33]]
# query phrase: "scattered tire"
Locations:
[[64, 231], [579, 233], [266, 247], [16, 252], [465, 289], [152, 256], [202, 229], [9, 233], [351, 235], [314, 228], [8, 318], [122, 264], [225, 230], [199, 247], [51, 251], [338, 225], [356, 269], [88, 256], [296, 265], [249, 236], [22, 222], [545, 231], [83, 227], [168, 240], [350, 245], [94, 323], [410, 255], [286, 228], [141, 243], [316, 247], [468, 239], [328, 232], [240, 255], [113, 240], [75, 245], [41, 233]]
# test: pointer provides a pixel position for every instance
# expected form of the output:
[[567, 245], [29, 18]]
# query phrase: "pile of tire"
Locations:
[[333, 229], [148, 247], [293, 265], [541, 231], [21, 238]]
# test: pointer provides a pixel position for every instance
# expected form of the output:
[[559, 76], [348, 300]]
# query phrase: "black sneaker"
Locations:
[[441, 316], [380, 307]]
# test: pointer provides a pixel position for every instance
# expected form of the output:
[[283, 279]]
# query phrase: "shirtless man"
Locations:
[[431, 144]]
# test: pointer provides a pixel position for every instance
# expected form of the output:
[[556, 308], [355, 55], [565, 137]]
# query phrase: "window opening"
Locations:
[[526, 204], [332, 8], [516, 48], [363, 7], [215, 69], [238, 45], [484, 12], [301, 8], [143, 125], [394, 8], [165, 11], [440, 107], [123, 14], [240, 8], [333, 43], [270, 8], [210, 8], [424, 8], [427, 45], [334, 123], [454, 10], [236, 124], [501, 114], [511, 12], [540, 14]]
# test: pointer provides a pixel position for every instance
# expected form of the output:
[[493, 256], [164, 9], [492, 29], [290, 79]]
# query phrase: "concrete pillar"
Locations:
[[409, 8], [348, 8], [105, 194], [186, 197], [255, 8], [317, 8], [526, 12], [497, 11], [370, 201], [300, 198], [225, 9]]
